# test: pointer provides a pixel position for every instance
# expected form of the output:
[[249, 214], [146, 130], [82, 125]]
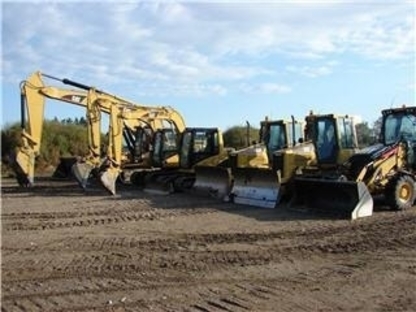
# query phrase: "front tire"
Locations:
[[401, 192]]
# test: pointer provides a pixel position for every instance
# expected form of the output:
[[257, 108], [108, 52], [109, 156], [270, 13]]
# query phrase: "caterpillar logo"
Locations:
[[74, 98]]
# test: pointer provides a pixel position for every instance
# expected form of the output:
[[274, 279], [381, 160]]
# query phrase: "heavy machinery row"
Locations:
[[313, 163]]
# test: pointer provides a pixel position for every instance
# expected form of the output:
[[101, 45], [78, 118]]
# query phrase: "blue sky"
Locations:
[[218, 63]]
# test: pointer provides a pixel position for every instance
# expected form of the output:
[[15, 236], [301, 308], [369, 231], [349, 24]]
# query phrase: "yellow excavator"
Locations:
[[255, 183], [387, 168], [169, 122], [136, 121]]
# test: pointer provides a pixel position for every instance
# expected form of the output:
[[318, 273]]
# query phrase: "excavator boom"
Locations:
[[123, 115]]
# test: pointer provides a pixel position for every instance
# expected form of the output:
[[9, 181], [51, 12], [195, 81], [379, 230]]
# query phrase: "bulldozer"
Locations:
[[201, 148], [387, 168], [319, 145], [255, 183], [136, 123]]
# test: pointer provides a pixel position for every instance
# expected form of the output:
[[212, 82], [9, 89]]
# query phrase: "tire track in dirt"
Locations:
[[76, 274], [222, 294], [199, 252], [228, 294], [98, 218]]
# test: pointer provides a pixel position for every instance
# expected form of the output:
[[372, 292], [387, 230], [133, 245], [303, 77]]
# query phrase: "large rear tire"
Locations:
[[401, 192]]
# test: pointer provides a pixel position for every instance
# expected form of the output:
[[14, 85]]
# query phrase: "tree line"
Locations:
[[68, 137]]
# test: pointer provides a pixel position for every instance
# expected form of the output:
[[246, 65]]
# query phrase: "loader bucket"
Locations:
[[213, 181], [346, 198], [108, 179], [23, 165], [63, 170], [255, 187], [81, 172]]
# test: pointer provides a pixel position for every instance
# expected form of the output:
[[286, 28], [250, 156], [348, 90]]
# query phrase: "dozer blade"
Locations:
[[63, 170], [108, 179], [23, 165], [346, 198], [255, 187], [81, 172], [212, 181]]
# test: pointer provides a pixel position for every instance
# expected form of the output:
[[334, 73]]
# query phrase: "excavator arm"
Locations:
[[33, 94], [123, 113], [155, 118]]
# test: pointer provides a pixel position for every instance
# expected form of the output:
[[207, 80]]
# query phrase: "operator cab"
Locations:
[[165, 146], [277, 135], [198, 144], [400, 125], [330, 135]]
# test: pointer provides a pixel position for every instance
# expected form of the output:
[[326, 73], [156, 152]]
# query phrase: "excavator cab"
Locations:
[[165, 148]]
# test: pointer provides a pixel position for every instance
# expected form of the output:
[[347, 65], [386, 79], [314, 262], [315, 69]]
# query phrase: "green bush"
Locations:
[[58, 139]]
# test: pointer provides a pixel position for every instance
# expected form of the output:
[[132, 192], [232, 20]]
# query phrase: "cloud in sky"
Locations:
[[196, 42], [198, 48]]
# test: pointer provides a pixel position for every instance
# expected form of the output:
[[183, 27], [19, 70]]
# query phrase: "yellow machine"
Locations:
[[329, 140], [126, 119], [255, 182], [387, 168], [199, 147], [113, 166]]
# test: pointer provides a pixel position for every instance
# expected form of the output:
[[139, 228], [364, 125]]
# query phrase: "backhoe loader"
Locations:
[[255, 183], [387, 168], [134, 122]]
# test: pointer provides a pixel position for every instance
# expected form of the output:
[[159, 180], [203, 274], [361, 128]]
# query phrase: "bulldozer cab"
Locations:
[[334, 137], [280, 134], [198, 144]]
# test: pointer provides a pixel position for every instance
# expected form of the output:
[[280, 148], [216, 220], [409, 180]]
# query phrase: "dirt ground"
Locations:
[[66, 250]]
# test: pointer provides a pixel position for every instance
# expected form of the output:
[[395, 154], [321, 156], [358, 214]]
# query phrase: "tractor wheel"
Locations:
[[401, 192]]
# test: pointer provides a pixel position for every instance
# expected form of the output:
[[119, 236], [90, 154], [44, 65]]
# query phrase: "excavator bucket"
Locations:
[[108, 179], [81, 172], [345, 198], [23, 165], [213, 181], [255, 187], [63, 170]]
